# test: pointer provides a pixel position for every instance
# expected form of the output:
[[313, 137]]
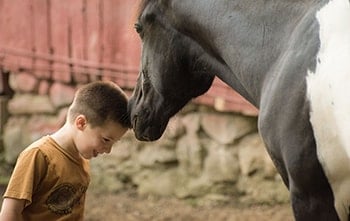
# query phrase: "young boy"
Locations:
[[52, 174]]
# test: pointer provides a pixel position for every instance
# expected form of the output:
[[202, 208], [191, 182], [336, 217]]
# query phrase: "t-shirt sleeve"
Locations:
[[30, 169]]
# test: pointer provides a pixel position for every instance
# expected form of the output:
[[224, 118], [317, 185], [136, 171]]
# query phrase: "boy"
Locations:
[[52, 174]]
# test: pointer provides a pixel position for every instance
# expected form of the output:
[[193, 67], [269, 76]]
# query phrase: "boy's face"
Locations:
[[93, 141]]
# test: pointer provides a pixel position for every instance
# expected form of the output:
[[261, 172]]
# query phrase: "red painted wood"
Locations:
[[76, 39], [16, 32], [60, 35], [93, 38], [41, 37]]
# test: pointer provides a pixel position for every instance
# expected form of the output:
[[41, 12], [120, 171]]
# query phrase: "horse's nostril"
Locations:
[[146, 138], [146, 111]]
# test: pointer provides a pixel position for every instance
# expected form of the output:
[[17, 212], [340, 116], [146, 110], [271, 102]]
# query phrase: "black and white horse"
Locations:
[[291, 59]]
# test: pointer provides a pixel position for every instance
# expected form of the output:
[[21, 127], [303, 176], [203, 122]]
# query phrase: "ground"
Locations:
[[128, 206]]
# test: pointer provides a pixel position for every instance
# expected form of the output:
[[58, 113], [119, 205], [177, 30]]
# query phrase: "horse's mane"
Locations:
[[142, 6]]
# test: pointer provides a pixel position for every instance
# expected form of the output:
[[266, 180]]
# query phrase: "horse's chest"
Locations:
[[329, 94]]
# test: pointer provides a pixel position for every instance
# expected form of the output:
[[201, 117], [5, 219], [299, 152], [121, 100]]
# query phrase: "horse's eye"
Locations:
[[138, 27]]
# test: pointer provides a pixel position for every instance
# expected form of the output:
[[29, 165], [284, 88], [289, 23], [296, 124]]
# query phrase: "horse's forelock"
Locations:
[[142, 6]]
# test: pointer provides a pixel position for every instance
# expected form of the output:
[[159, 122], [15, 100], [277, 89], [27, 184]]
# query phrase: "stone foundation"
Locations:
[[204, 154]]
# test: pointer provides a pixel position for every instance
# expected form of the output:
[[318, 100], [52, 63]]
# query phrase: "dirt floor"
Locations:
[[128, 206]]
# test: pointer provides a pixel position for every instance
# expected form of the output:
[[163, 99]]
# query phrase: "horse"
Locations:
[[290, 59]]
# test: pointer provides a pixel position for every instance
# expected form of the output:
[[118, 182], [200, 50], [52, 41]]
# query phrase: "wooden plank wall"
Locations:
[[94, 37]]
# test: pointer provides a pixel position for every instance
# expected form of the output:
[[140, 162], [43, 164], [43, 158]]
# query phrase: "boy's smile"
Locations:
[[93, 141]]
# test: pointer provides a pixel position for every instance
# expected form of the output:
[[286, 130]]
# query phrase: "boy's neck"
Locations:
[[64, 138]]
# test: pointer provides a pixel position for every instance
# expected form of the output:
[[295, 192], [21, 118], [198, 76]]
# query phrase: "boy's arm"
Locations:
[[12, 209]]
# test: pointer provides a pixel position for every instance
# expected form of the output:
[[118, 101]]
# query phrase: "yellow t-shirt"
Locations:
[[52, 181]]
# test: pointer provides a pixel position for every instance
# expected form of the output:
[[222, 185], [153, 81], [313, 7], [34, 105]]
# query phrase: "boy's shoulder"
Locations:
[[43, 145]]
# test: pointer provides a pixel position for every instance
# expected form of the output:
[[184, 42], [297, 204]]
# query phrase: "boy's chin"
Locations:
[[86, 157]]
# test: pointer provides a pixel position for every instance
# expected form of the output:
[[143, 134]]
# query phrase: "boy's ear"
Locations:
[[80, 122]]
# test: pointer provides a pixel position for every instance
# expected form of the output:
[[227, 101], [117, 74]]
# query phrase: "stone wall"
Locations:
[[204, 154]]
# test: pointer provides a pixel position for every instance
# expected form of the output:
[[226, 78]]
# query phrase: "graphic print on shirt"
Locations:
[[62, 199]]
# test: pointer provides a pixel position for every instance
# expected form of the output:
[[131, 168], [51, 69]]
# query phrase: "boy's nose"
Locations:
[[107, 149]]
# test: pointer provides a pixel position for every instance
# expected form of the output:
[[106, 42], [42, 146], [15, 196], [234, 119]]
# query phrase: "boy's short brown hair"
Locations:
[[100, 101]]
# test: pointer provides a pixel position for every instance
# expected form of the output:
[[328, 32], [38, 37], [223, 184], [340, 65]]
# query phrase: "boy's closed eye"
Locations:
[[108, 140]]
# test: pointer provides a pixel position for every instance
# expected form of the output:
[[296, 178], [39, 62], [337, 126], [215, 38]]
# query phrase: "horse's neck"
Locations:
[[245, 36]]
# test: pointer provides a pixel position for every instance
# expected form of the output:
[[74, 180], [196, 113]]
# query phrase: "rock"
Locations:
[[190, 155], [158, 182], [104, 180], [153, 154], [221, 163], [193, 187], [23, 82], [213, 199], [191, 122], [30, 104], [253, 157], [259, 190], [16, 138], [61, 95], [41, 125], [174, 129], [44, 87], [226, 128]]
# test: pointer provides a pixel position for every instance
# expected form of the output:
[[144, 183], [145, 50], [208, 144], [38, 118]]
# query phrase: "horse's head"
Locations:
[[172, 72]]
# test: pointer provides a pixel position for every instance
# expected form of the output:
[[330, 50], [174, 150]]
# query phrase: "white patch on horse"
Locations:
[[328, 90]]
